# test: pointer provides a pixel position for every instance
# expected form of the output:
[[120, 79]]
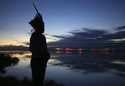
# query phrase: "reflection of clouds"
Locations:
[[119, 62], [90, 37], [22, 57], [90, 63], [54, 61]]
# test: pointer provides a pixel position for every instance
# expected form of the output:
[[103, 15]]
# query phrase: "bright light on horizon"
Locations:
[[23, 40], [9, 42]]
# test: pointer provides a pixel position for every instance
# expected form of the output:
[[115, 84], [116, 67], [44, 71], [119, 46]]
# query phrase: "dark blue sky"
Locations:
[[60, 16]]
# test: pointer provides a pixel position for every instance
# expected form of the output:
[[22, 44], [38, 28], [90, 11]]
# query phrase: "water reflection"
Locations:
[[5, 61], [76, 69], [94, 62]]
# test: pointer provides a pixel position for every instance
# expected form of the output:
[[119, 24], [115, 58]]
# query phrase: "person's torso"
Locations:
[[37, 44]]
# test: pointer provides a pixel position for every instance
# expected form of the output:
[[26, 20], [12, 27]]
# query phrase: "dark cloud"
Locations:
[[120, 28], [89, 33], [116, 35], [89, 38]]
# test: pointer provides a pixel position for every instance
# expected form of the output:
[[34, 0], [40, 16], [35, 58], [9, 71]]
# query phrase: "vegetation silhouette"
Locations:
[[6, 60]]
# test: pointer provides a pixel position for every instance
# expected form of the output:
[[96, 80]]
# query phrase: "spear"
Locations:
[[34, 5]]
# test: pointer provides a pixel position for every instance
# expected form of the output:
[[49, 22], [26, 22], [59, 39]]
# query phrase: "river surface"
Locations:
[[73, 69]]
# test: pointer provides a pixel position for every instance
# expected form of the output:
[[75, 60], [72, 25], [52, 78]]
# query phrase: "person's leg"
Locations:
[[43, 69], [36, 72]]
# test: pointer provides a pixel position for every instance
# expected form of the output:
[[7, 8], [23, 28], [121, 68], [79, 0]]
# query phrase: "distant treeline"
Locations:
[[13, 48], [116, 46]]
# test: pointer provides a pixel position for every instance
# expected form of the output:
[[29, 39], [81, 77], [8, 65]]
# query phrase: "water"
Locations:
[[73, 69]]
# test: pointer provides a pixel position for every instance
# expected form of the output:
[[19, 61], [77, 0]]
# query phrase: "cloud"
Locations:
[[57, 36], [116, 35], [120, 28], [86, 37], [89, 33]]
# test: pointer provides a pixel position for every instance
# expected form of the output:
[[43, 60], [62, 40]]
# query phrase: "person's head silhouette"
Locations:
[[37, 23]]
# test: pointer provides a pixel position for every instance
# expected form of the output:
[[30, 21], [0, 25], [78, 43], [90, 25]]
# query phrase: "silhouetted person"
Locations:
[[39, 50]]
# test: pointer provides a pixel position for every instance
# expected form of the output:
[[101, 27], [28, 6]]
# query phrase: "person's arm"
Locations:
[[44, 48], [31, 44]]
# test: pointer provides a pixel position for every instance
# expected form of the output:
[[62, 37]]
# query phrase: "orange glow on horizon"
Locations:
[[9, 42], [19, 41]]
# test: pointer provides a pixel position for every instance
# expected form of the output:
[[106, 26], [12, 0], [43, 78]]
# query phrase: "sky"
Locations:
[[60, 17]]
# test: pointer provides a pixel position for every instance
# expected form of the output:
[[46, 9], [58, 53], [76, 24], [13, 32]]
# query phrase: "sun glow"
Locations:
[[23, 41], [17, 41]]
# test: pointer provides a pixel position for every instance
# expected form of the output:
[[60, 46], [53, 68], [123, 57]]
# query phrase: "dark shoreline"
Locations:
[[7, 61], [12, 81]]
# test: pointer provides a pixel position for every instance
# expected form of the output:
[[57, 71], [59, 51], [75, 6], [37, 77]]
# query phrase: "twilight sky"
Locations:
[[60, 17]]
